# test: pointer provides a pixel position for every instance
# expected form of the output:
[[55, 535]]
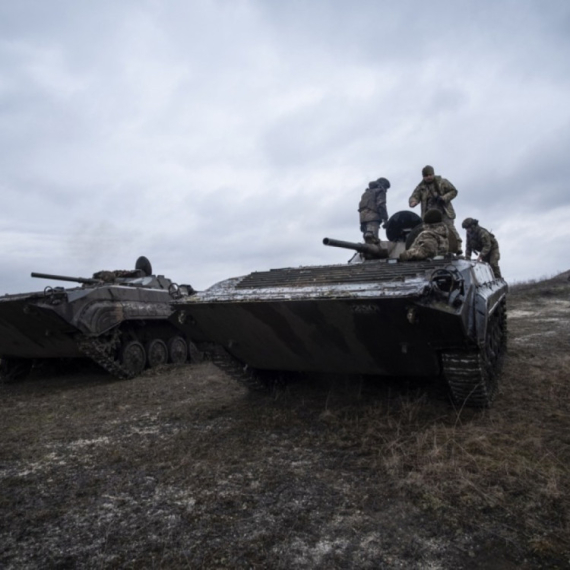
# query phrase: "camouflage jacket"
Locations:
[[110, 276], [436, 236], [480, 240], [372, 205], [427, 195]]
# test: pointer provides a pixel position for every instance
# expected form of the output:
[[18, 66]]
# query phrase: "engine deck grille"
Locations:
[[372, 271]]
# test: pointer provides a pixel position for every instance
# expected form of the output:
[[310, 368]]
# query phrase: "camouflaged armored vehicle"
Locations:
[[378, 316], [119, 319]]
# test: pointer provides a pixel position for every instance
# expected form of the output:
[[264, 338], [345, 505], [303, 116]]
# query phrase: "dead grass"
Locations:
[[182, 469]]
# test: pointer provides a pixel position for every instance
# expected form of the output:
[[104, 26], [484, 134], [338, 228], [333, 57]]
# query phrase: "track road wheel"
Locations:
[[156, 353], [133, 357], [177, 350]]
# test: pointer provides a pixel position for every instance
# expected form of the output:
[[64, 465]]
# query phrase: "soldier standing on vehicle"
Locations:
[[484, 242], [372, 208], [436, 193], [433, 240]]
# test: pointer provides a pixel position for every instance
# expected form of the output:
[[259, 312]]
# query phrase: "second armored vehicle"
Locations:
[[119, 319]]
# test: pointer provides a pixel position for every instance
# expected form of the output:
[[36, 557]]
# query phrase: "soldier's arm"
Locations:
[[448, 190], [415, 197]]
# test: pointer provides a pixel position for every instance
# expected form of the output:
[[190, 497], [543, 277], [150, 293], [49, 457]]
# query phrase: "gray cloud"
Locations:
[[222, 137]]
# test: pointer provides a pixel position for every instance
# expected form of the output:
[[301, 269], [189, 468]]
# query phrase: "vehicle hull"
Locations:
[[377, 317], [371, 336], [28, 330]]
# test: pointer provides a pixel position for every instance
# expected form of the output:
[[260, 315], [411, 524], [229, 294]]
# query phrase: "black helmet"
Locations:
[[468, 222], [432, 217], [384, 183]]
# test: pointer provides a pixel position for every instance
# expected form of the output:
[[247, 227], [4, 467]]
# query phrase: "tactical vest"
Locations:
[[368, 200]]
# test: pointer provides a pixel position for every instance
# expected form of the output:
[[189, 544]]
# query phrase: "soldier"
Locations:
[[373, 210], [435, 192], [110, 276], [483, 241], [431, 241], [142, 268]]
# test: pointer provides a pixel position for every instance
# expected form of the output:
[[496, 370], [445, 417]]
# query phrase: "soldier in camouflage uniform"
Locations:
[[110, 276], [431, 241], [142, 268], [435, 192], [483, 241], [373, 209]]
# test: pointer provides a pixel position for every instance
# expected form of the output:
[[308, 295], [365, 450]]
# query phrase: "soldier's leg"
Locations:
[[409, 254], [370, 231], [421, 249], [494, 257], [449, 223], [365, 233]]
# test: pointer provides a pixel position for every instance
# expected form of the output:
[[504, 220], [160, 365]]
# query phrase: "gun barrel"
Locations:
[[86, 280], [360, 247], [369, 250]]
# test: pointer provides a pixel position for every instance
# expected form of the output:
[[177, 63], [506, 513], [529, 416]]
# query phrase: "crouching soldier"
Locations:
[[484, 242], [372, 209], [433, 240]]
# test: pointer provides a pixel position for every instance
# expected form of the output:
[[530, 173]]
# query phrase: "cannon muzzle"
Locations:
[[369, 250]]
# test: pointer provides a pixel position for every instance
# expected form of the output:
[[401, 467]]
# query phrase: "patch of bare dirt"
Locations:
[[181, 468]]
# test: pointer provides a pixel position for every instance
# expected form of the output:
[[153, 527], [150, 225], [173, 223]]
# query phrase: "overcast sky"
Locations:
[[220, 137]]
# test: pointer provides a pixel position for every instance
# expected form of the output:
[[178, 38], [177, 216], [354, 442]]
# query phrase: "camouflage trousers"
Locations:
[[492, 258], [370, 230], [449, 223]]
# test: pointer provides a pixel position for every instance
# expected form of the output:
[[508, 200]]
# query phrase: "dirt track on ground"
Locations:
[[181, 468]]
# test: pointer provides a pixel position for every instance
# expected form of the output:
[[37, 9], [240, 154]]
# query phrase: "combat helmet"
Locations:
[[432, 216], [383, 183], [468, 222]]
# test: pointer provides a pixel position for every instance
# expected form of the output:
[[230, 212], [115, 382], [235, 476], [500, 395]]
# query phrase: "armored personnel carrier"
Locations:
[[119, 319], [443, 317]]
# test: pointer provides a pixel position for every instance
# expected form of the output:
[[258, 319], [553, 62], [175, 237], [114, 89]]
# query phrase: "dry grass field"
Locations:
[[181, 468]]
